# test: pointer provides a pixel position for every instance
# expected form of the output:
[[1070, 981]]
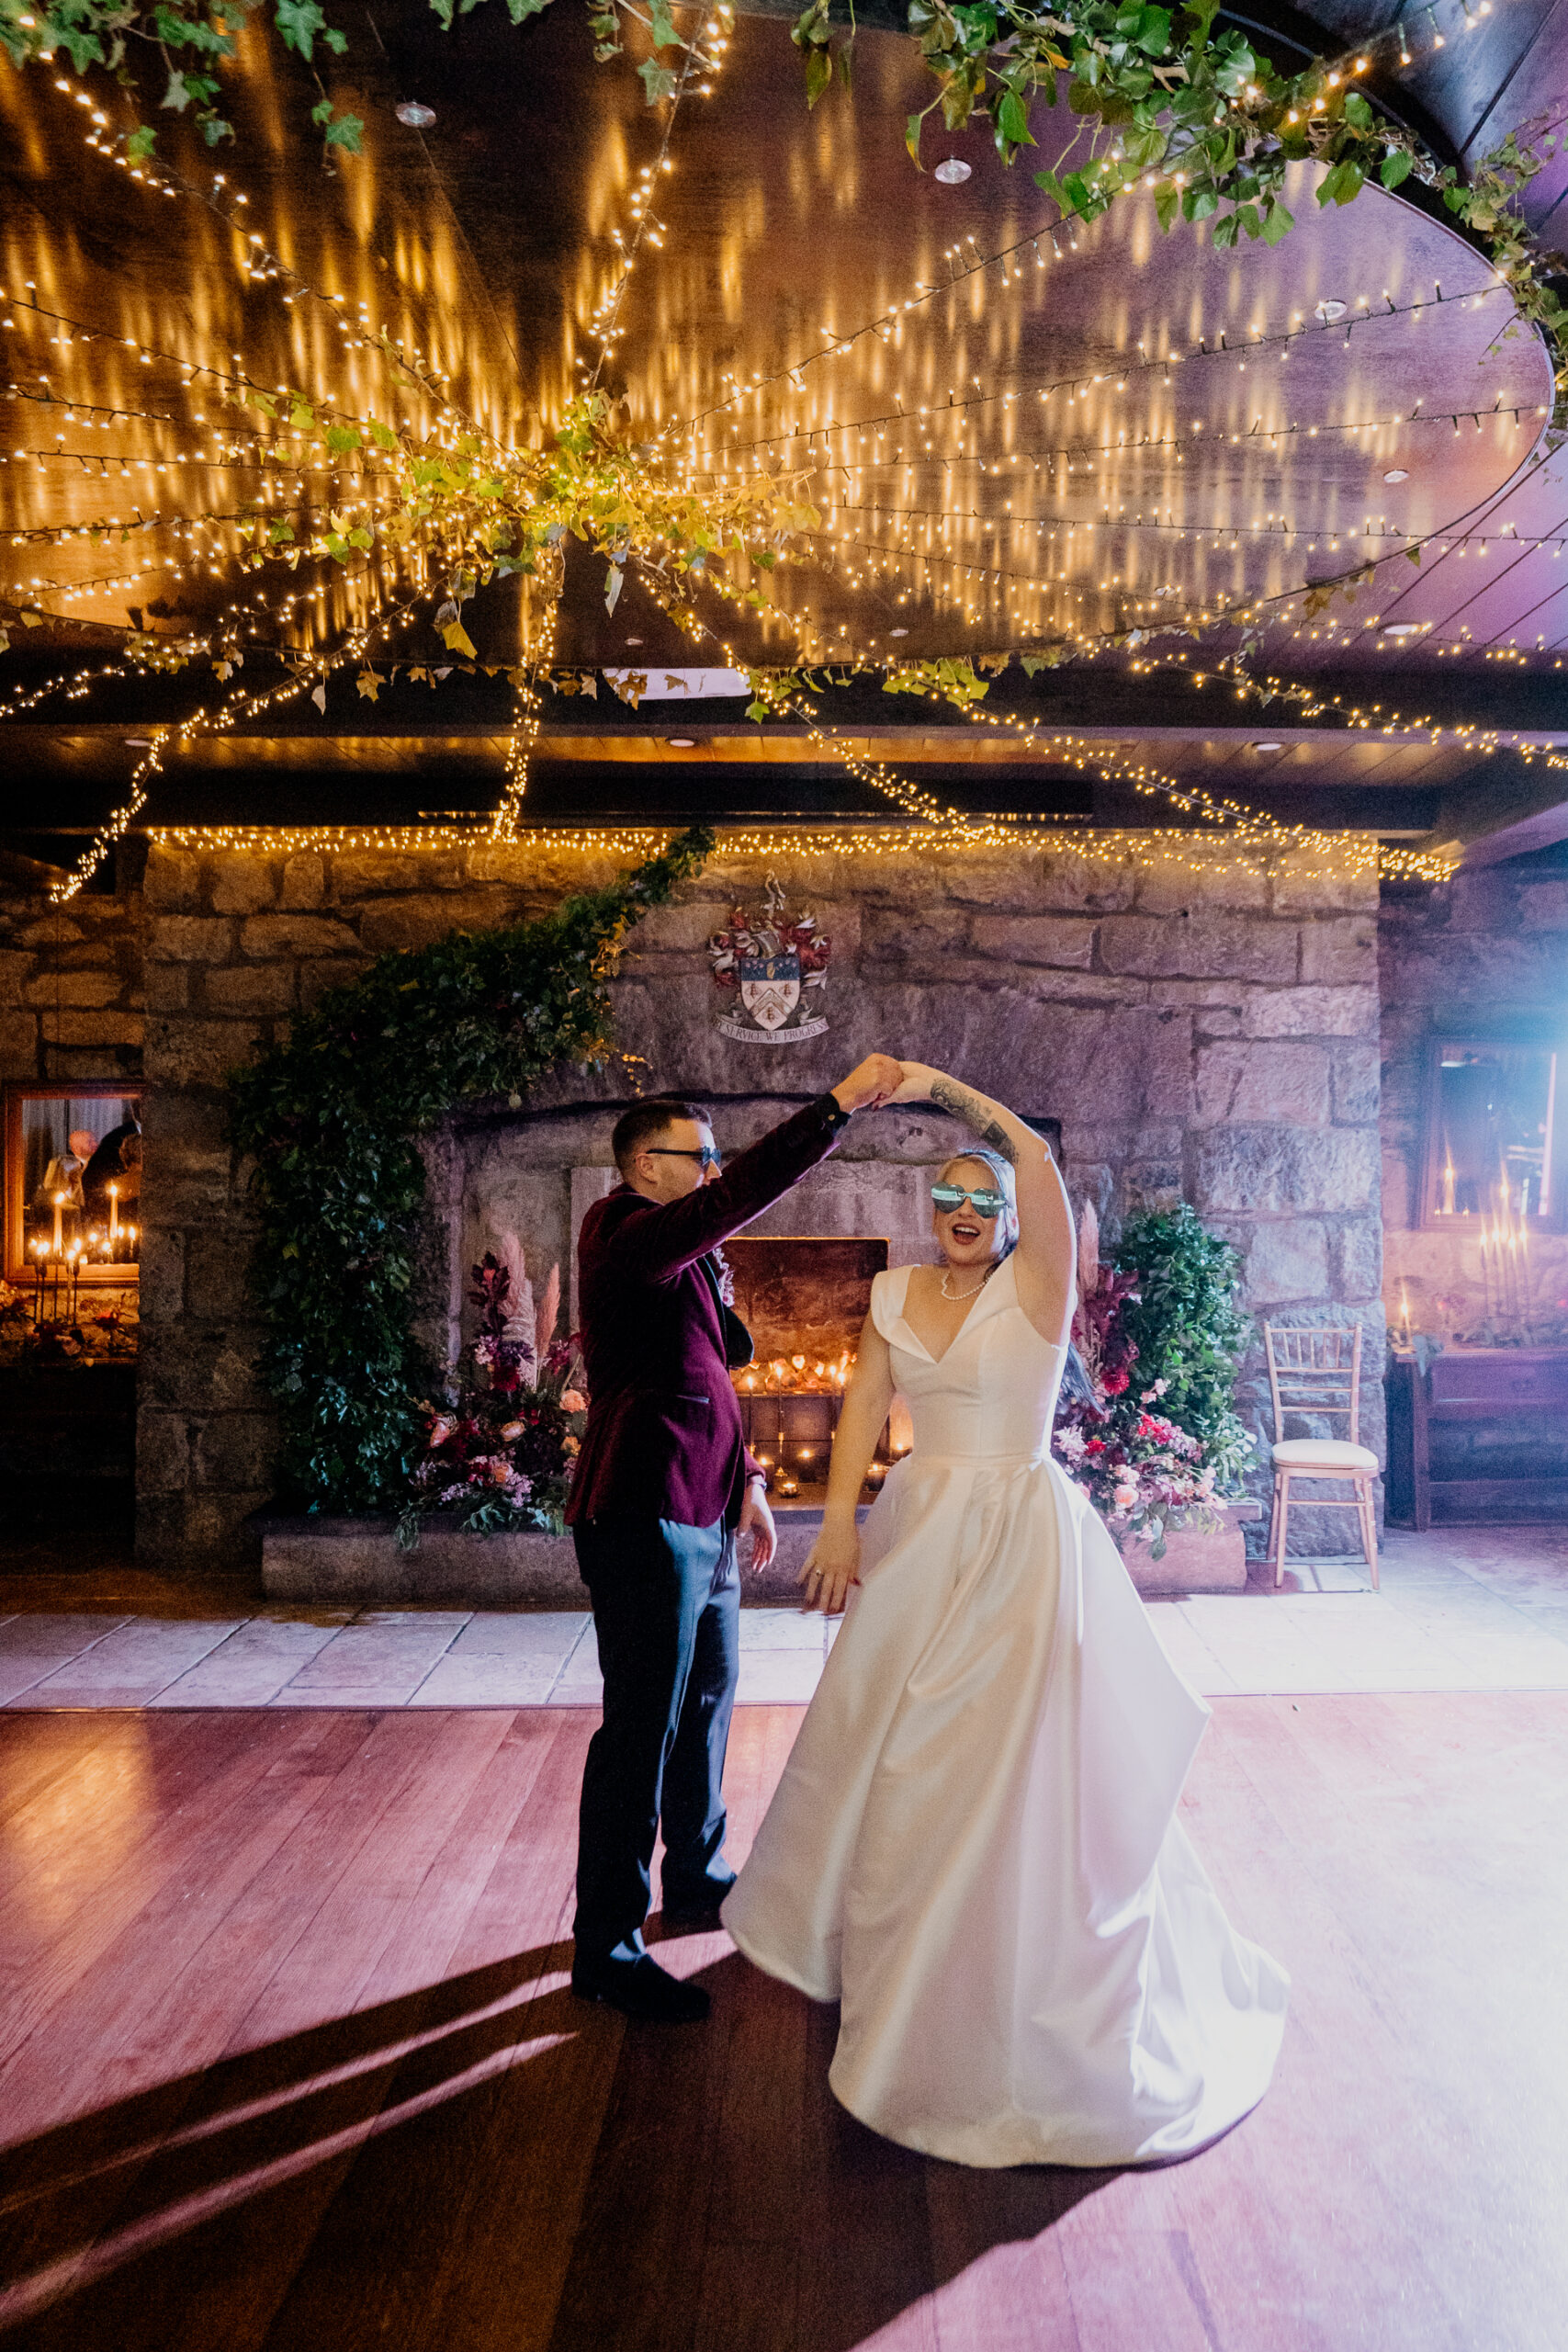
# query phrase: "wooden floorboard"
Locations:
[[290, 2064]]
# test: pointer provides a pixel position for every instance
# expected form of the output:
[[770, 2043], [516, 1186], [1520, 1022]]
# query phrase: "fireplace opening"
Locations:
[[803, 1299]]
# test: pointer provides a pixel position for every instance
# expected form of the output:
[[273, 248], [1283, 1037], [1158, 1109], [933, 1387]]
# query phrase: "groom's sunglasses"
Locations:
[[708, 1153], [952, 1196]]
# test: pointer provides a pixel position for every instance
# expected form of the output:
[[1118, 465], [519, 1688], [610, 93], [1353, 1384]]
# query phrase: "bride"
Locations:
[[973, 1846]]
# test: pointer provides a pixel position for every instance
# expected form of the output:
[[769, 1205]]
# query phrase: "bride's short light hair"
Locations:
[[1007, 1185]]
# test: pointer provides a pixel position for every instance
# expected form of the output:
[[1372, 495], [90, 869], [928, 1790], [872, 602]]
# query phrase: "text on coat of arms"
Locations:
[[771, 974]]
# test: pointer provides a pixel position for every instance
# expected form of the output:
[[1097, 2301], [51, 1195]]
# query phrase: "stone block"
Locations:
[[163, 1453], [190, 939], [217, 1529], [15, 970], [366, 873], [19, 1044], [217, 1265], [417, 921], [236, 1451], [1312, 1013], [1035, 939], [1308, 882], [250, 988], [1358, 1083], [83, 989], [99, 1031], [304, 880], [1243, 1081], [1202, 945], [161, 1286], [683, 928], [1101, 882], [912, 934], [1287, 1260], [168, 987], [331, 972], [93, 956], [49, 931], [197, 1053], [1264, 1172], [300, 934], [243, 886], [1063, 1061], [175, 881], [1355, 1260], [1169, 884], [1340, 951]]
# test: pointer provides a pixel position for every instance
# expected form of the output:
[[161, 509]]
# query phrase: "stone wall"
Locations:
[[1201, 1023], [71, 1000], [1487, 953]]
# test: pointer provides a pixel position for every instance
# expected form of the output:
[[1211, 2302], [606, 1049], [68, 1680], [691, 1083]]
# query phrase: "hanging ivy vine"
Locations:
[[331, 1119]]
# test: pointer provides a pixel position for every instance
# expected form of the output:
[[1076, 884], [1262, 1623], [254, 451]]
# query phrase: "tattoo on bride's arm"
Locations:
[[975, 1112]]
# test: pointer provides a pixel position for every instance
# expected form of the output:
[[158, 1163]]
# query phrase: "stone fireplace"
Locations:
[[1201, 1018]]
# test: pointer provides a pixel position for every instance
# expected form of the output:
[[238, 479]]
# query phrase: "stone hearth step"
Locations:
[[357, 1561]]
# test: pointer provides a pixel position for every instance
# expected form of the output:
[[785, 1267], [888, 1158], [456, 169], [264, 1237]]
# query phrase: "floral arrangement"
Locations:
[[498, 1451], [109, 1336], [1135, 1464], [1135, 1467]]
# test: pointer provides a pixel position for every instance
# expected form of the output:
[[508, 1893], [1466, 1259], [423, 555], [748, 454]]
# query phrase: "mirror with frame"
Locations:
[[73, 1192], [1493, 1144]]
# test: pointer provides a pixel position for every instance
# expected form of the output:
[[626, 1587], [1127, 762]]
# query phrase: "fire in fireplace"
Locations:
[[804, 1300]]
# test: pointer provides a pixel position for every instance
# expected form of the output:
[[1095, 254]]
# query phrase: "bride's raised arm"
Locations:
[[1047, 1244]]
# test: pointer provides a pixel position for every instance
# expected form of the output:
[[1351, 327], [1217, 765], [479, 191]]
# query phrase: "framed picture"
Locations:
[[1495, 1144], [73, 1191]]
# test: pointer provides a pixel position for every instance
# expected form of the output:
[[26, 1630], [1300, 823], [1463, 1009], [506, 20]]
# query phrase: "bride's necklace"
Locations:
[[954, 1295]]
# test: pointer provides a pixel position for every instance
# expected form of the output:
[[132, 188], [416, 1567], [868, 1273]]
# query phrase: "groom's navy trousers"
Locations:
[[666, 1609], [654, 1505]]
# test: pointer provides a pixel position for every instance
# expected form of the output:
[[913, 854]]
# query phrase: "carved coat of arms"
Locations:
[[771, 974]]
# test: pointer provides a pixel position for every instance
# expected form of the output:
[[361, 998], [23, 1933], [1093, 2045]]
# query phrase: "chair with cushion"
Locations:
[[1317, 1373]]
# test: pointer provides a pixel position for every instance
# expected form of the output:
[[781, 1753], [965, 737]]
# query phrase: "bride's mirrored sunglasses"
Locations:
[[708, 1153], [952, 1196]]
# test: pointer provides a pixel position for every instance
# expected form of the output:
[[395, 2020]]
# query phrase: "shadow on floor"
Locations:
[[488, 2163]]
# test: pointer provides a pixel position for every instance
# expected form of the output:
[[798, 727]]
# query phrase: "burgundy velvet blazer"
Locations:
[[663, 1437]]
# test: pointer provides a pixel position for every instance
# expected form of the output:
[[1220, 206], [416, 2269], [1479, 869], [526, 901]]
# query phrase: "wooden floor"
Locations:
[[286, 2060]]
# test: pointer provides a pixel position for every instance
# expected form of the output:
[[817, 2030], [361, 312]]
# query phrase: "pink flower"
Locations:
[[573, 1401], [513, 1431], [440, 1430]]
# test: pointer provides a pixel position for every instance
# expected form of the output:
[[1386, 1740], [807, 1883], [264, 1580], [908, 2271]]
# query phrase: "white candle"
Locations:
[[114, 1212]]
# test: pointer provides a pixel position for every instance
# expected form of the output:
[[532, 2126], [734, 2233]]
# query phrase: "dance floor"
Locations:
[[286, 2060]]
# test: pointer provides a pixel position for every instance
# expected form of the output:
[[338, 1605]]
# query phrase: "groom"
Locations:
[[663, 1482]]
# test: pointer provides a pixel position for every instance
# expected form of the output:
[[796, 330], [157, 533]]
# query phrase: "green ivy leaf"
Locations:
[[1396, 166], [657, 80]]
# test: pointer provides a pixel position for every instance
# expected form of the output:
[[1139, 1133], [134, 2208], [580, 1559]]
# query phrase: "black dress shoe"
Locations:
[[639, 1988], [697, 1911]]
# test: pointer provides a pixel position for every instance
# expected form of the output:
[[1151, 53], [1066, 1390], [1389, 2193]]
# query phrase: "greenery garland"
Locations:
[[331, 1118]]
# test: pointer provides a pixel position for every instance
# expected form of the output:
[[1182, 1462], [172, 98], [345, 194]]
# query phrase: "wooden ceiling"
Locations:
[[1097, 435]]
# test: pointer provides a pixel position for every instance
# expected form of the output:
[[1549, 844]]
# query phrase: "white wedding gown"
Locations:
[[973, 1846]]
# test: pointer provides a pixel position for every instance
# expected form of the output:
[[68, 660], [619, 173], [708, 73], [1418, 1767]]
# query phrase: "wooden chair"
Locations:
[[1318, 1372]]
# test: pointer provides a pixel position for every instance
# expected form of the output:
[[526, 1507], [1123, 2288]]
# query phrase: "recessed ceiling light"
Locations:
[[140, 742], [418, 117], [1329, 310], [634, 640], [897, 632], [1403, 628], [1397, 473], [682, 743], [1266, 747], [954, 172]]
